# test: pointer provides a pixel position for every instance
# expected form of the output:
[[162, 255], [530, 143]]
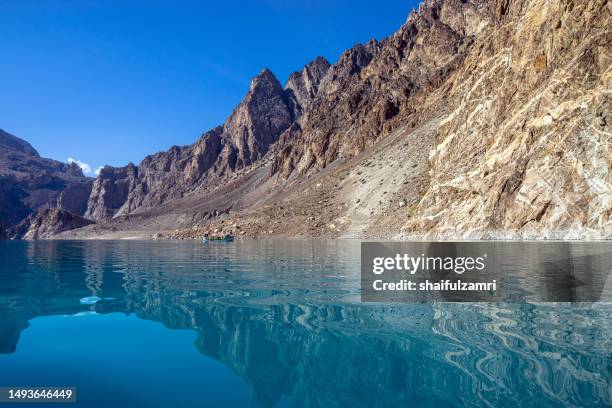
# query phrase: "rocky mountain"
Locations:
[[29, 182], [475, 119], [48, 222], [532, 102], [256, 123], [302, 87], [372, 88], [10, 142]]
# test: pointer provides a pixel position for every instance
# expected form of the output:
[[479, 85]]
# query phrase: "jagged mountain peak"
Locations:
[[245, 137], [303, 86], [266, 81], [319, 64], [320, 61], [351, 63]]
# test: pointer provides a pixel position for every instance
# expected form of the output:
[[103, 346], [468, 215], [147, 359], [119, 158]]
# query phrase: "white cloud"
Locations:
[[97, 171], [84, 166]]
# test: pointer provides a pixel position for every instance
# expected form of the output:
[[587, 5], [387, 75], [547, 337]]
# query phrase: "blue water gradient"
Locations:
[[277, 323]]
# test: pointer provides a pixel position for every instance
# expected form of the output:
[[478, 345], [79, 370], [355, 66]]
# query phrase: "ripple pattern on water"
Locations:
[[287, 317]]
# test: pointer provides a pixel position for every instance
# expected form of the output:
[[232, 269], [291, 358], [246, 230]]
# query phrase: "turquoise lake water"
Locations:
[[277, 323]]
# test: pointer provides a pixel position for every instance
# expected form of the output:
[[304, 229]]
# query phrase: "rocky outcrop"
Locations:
[[13, 143], [532, 102], [48, 222], [29, 182], [255, 124], [302, 87], [110, 191], [74, 197]]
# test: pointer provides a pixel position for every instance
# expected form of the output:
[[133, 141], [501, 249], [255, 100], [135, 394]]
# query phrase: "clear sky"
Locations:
[[110, 81]]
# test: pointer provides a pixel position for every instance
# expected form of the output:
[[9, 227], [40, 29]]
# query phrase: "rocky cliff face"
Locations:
[[29, 182], [371, 90], [302, 87], [532, 102], [476, 119], [48, 222], [110, 191]]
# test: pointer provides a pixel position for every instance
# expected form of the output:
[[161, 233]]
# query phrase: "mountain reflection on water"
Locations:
[[286, 316]]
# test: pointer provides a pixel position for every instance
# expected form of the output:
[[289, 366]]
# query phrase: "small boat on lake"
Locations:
[[227, 238]]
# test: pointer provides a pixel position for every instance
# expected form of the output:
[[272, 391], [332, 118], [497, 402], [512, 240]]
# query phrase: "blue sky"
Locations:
[[110, 81]]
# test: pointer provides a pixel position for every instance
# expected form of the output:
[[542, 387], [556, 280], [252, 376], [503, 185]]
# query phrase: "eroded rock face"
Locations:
[[256, 123], [369, 91], [110, 191], [302, 87], [49, 222], [29, 182], [74, 197], [525, 148]]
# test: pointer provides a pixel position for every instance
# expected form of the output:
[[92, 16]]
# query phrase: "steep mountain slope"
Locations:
[[334, 110], [29, 182], [10, 142], [374, 88], [476, 119]]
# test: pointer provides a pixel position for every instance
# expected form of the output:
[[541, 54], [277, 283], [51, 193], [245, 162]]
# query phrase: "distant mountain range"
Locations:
[[29, 183], [476, 119]]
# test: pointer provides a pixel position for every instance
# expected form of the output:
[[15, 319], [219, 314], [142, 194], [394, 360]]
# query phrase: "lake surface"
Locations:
[[277, 323]]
